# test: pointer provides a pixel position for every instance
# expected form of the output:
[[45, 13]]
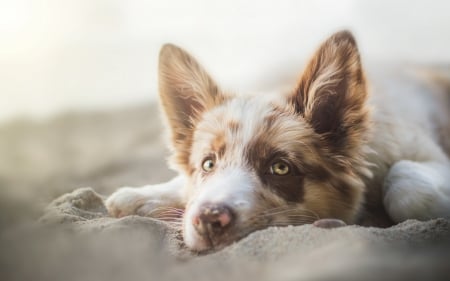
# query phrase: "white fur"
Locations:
[[415, 169], [232, 186], [407, 159], [143, 200], [417, 190], [252, 110]]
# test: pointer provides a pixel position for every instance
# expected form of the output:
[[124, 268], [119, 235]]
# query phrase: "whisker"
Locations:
[[170, 214], [163, 211], [290, 222], [168, 210], [301, 216], [174, 211], [168, 218], [271, 213], [316, 216], [297, 210]]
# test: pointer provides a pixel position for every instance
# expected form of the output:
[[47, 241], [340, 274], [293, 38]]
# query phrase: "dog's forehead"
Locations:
[[242, 124], [239, 119]]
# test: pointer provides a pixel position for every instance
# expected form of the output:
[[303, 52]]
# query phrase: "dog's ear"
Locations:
[[332, 92], [186, 91]]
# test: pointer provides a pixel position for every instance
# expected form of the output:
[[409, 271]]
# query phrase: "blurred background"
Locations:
[[78, 85]]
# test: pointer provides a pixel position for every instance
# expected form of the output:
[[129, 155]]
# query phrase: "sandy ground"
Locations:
[[40, 161], [76, 240]]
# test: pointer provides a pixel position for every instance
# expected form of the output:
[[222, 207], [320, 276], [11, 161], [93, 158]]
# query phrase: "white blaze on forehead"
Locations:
[[233, 187], [247, 113], [250, 113]]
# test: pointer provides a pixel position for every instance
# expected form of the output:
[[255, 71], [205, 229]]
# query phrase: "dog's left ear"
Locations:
[[332, 92]]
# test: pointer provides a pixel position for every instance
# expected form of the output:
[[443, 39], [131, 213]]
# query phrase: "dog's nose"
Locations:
[[213, 219]]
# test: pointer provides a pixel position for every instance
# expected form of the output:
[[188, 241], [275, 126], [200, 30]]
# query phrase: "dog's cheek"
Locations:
[[328, 202]]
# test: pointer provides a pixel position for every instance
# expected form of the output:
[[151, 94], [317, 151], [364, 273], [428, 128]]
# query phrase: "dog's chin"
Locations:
[[193, 240], [203, 245]]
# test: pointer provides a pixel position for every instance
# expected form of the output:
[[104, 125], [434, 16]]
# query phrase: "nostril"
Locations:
[[213, 217], [224, 219], [216, 225]]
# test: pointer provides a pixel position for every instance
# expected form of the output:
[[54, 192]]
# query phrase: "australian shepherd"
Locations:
[[332, 147]]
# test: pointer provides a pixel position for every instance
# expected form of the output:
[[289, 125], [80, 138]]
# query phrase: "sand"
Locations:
[[73, 238], [77, 240]]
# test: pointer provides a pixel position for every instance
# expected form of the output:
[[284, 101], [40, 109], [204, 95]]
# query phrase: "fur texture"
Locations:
[[327, 149]]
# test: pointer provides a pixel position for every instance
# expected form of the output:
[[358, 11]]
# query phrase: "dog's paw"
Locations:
[[128, 201]]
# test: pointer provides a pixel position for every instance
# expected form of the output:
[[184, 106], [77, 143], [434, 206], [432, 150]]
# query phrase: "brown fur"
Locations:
[[345, 161], [186, 90], [320, 130], [332, 94]]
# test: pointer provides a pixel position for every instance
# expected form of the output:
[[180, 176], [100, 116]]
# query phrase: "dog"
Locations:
[[332, 147]]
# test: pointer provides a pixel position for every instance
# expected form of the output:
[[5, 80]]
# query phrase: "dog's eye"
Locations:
[[279, 168], [208, 165]]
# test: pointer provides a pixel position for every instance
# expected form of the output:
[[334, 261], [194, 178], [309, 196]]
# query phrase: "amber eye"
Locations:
[[279, 168], [208, 165]]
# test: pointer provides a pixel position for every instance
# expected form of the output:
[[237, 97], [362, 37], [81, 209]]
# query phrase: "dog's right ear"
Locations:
[[186, 91]]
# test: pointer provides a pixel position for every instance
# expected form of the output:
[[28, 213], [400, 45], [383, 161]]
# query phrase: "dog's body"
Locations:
[[327, 149]]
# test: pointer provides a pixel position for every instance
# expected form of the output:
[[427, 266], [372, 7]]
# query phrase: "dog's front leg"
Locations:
[[152, 200]]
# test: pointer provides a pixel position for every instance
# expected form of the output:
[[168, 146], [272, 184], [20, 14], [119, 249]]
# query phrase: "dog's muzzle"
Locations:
[[212, 221]]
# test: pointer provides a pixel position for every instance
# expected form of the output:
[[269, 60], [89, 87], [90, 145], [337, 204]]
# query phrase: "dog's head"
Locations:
[[260, 161]]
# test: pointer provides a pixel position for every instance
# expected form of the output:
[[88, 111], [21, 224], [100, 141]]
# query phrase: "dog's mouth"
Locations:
[[213, 243], [215, 227], [216, 245], [215, 237]]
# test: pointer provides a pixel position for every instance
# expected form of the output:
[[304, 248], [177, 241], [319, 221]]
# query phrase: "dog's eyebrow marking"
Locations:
[[234, 126], [218, 145]]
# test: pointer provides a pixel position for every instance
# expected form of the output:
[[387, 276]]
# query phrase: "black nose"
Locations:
[[213, 219]]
